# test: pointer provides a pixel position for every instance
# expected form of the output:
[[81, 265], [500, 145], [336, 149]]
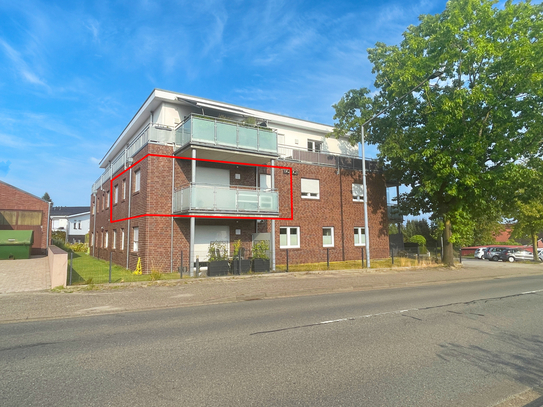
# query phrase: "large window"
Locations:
[[358, 192], [328, 237], [310, 188], [289, 237], [137, 180], [136, 234], [359, 237]]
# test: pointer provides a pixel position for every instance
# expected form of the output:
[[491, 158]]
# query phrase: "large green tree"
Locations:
[[452, 138]]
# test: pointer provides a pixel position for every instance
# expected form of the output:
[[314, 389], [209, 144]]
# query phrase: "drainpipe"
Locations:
[[192, 219], [129, 214], [94, 227], [272, 240], [173, 198]]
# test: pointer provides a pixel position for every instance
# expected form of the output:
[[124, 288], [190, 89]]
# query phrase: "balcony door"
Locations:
[[205, 234]]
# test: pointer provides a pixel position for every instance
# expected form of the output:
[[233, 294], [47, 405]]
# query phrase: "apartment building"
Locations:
[[188, 171]]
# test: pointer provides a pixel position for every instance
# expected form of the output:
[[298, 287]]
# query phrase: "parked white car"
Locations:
[[480, 253]]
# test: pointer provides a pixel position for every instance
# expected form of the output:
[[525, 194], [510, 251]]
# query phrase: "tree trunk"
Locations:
[[448, 259], [534, 245]]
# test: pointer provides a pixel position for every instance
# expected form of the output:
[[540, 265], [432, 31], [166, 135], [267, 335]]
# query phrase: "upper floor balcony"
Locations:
[[394, 214], [223, 199], [218, 133]]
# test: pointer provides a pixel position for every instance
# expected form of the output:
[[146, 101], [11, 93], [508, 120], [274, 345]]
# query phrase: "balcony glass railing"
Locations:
[[394, 214], [221, 198], [225, 133]]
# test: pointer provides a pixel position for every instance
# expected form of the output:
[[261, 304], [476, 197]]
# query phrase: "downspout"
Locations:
[[272, 240], [94, 227], [341, 211], [173, 199], [129, 214]]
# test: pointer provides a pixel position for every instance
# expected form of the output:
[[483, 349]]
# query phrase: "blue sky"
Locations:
[[73, 73]]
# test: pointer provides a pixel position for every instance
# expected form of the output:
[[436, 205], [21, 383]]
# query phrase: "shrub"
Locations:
[[260, 249], [218, 251]]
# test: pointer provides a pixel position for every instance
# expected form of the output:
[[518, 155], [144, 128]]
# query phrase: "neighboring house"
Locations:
[[74, 220], [231, 180], [20, 210]]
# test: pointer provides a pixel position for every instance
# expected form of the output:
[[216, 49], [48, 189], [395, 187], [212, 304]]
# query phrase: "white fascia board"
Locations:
[[76, 215]]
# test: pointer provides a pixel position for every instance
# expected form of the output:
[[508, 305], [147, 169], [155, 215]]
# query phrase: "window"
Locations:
[[328, 237], [358, 192], [289, 237], [137, 180], [116, 196], [114, 243], [122, 239], [136, 238], [315, 146], [310, 188], [103, 200], [92, 239], [107, 194], [75, 225], [79, 225], [124, 189], [359, 237], [107, 236]]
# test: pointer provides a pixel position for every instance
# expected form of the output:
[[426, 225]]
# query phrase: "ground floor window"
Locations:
[[114, 243], [122, 239], [289, 237], [328, 237], [107, 236], [359, 236], [136, 234]]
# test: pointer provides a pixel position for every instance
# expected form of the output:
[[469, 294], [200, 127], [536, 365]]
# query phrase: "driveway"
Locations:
[[24, 275]]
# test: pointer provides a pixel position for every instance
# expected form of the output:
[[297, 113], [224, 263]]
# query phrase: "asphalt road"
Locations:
[[469, 344]]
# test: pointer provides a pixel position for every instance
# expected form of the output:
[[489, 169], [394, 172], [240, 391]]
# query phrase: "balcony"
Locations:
[[222, 133], [221, 199]]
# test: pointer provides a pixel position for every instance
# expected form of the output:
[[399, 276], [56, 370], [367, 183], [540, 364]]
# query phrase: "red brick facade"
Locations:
[[21, 203], [162, 239]]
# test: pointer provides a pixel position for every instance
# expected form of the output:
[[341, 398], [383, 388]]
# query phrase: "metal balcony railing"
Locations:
[[226, 133], [228, 199]]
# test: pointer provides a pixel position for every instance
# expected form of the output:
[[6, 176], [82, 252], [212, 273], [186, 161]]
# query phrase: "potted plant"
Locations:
[[238, 254], [261, 260], [217, 259]]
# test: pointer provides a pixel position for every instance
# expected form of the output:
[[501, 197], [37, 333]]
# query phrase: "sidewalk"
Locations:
[[115, 298]]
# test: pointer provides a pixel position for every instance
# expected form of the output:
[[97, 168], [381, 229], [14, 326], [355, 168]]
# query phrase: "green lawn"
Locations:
[[89, 270]]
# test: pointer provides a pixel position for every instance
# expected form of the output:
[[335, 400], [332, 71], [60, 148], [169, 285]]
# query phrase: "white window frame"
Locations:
[[358, 192], [289, 244], [314, 146], [359, 232], [135, 238], [107, 199], [124, 189], [137, 180], [107, 239], [331, 228], [122, 239], [114, 242], [116, 194], [310, 188]]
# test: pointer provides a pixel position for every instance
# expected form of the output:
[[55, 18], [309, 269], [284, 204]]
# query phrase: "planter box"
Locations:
[[261, 265], [218, 268], [245, 266]]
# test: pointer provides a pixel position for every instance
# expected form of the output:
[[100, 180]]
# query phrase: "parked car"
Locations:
[[493, 253], [480, 253], [512, 255], [540, 254]]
